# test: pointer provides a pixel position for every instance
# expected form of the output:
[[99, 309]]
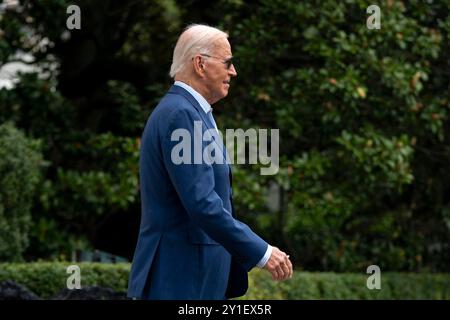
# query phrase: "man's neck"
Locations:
[[194, 85]]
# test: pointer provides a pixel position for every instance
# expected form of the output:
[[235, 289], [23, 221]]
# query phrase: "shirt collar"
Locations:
[[201, 101]]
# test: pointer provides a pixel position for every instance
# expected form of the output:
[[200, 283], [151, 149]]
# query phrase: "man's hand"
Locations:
[[279, 265]]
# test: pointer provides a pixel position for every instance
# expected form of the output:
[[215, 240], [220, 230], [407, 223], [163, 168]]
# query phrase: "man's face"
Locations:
[[217, 75]]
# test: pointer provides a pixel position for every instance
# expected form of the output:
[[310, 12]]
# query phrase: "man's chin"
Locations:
[[223, 94]]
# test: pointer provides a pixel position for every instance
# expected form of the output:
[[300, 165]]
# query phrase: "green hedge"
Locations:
[[306, 285], [47, 279]]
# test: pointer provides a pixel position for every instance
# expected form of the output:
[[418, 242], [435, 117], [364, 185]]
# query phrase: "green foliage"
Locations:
[[20, 164], [89, 175], [337, 286], [91, 140], [363, 119], [81, 196], [111, 180], [379, 160], [47, 279]]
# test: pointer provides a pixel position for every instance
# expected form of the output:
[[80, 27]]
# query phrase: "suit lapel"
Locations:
[[183, 92]]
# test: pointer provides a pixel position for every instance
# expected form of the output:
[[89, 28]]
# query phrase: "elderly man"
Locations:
[[190, 245]]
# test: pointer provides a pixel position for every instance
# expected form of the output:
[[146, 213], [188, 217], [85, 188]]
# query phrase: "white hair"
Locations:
[[195, 39]]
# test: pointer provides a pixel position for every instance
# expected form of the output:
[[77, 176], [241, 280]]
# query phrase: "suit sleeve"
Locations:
[[194, 184]]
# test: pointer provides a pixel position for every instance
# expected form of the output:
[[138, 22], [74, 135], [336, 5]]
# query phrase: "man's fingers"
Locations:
[[277, 272], [290, 267], [285, 269], [280, 272], [274, 273]]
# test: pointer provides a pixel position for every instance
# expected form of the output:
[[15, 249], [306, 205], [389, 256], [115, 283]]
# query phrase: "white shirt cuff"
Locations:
[[265, 258]]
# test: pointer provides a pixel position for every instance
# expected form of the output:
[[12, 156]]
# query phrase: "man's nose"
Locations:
[[232, 71]]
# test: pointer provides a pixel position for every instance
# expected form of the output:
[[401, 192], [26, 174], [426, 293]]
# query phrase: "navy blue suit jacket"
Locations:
[[190, 245]]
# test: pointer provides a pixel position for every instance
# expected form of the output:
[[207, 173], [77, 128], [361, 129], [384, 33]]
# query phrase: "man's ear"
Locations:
[[199, 66]]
